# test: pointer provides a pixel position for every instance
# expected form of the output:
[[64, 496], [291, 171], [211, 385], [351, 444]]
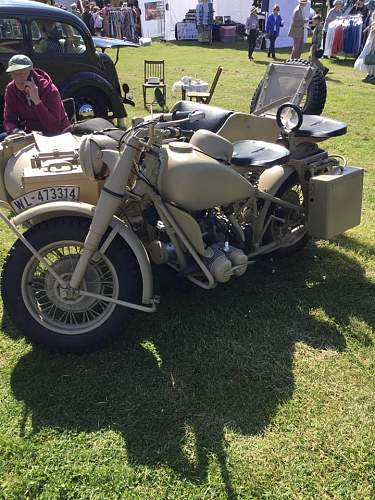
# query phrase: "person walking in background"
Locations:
[[252, 27], [361, 9], [366, 59], [273, 25], [316, 42], [297, 29], [333, 14], [88, 18], [98, 21], [370, 5], [137, 15]]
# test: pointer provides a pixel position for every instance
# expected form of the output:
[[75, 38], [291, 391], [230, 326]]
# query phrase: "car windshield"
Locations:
[[51, 36]]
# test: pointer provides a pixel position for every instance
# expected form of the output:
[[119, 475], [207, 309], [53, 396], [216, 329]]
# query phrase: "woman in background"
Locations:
[[368, 49], [252, 27], [273, 25]]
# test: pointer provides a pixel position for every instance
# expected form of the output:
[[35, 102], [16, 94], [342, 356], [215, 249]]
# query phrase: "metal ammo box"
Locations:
[[335, 202]]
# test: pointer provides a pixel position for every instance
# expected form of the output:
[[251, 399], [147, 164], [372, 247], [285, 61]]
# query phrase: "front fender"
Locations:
[[61, 208], [87, 79]]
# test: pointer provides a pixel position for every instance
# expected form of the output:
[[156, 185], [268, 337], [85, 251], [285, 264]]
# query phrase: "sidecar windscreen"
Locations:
[[283, 83]]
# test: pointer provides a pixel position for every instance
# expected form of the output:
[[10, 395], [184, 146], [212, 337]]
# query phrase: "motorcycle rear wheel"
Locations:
[[293, 230], [32, 297]]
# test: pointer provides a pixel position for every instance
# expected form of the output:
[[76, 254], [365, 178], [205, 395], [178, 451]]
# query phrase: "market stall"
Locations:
[[159, 18], [153, 17]]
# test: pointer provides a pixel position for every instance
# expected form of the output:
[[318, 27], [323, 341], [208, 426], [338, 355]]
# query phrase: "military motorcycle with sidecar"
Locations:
[[151, 194]]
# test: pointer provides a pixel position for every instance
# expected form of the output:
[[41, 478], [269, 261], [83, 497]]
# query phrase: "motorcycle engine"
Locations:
[[222, 258]]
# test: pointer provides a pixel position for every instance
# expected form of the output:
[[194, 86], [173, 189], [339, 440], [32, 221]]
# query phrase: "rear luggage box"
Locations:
[[335, 202]]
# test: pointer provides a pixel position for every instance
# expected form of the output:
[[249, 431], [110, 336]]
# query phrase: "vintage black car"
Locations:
[[59, 42]]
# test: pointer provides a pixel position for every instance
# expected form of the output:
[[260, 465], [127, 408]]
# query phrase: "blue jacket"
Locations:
[[270, 26]]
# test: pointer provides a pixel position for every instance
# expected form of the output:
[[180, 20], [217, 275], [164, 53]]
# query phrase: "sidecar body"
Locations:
[[35, 169]]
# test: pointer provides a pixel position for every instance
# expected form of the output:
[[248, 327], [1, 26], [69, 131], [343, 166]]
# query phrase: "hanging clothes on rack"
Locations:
[[119, 22], [115, 23], [344, 36], [128, 23]]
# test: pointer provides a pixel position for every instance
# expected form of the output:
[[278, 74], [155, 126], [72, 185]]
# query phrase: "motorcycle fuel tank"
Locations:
[[195, 181]]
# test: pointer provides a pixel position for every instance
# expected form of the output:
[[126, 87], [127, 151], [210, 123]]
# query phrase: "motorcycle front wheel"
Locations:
[[286, 224], [33, 299]]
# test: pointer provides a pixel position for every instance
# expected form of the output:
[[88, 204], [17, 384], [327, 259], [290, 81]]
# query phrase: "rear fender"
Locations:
[[273, 178], [270, 182], [59, 208]]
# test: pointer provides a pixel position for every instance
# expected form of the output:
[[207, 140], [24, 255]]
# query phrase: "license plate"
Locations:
[[45, 195]]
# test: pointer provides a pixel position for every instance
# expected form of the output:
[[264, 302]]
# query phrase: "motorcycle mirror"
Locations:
[[196, 115], [289, 117], [159, 98]]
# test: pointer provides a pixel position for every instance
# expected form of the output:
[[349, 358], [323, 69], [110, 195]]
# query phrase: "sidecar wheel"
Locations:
[[290, 191], [316, 95], [37, 307]]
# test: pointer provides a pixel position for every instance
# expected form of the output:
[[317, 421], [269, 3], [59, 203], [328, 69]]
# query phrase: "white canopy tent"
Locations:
[[174, 11]]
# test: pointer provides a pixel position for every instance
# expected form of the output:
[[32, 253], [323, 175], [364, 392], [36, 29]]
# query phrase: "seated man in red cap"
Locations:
[[32, 101]]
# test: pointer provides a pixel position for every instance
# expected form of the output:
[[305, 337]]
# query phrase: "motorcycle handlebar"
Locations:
[[181, 115], [176, 115]]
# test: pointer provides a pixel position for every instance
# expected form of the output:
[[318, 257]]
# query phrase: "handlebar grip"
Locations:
[[180, 115], [166, 117]]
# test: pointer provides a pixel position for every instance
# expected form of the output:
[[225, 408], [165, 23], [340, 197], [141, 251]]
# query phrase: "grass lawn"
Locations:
[[262, 388]]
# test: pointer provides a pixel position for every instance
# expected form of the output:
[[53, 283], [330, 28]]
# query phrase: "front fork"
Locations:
[[109, 201]]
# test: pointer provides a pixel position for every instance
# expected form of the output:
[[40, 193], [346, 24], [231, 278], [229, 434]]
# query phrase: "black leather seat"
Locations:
[[96, 125], [214, 117], [320, 127], [258, 154]]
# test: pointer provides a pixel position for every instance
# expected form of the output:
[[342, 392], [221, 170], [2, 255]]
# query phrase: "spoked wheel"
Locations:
[[286, 224], [61, 320]]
